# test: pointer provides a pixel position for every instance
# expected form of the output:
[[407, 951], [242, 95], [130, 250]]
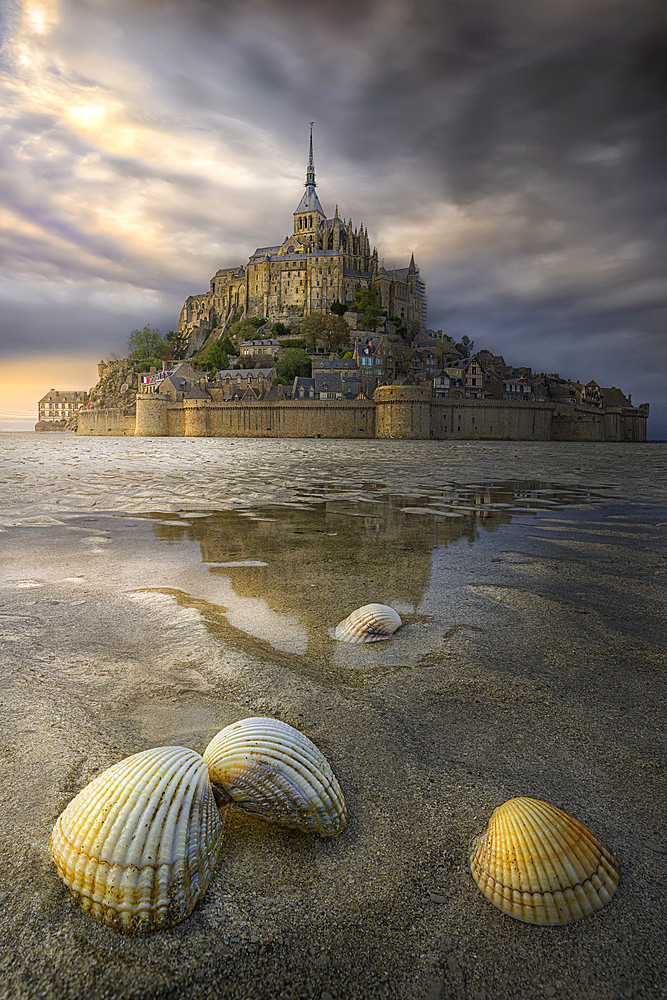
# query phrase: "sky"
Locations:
[[517, 148]]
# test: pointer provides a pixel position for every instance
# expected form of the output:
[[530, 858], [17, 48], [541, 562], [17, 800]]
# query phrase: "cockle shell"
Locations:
[[139, 844], [539, 865], [272, 770], [372, 623]]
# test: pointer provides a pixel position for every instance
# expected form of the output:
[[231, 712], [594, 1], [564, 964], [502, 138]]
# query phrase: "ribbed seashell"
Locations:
[[372, 623], [272, 770], [139, 844], [539, 865]]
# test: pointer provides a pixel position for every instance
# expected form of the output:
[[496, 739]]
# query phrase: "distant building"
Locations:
[[58, 406]]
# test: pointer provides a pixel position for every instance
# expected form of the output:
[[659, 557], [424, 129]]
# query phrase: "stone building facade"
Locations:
[[323, 260], [57, 407]]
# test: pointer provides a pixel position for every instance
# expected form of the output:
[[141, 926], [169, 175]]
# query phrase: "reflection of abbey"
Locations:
[[322, 261]]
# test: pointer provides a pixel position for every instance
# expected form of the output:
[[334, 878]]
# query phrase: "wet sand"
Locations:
[[139, 613]]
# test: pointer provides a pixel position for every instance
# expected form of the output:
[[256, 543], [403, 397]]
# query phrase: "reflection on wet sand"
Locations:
[[292, 572]]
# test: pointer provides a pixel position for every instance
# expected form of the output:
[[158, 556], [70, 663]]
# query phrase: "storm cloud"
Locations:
[[517, 149]]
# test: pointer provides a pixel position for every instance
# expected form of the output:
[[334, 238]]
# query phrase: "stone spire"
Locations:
[[309, 200], [412, 268], [310, 169]]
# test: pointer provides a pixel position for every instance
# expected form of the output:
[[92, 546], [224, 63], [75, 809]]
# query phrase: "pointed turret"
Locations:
[[412, 269]]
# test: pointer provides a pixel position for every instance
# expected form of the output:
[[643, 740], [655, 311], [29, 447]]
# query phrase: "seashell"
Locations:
[[139, 844], [372, 623], [272, 770], [539, 865]]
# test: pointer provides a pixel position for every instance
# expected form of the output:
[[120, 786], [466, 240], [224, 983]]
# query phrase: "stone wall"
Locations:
[[588, 423], [109, 421], [398, 412], [470, 420], [51, 425], [310, 418]]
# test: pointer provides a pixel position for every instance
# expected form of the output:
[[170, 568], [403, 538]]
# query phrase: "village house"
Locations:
[[59, 405], [447, 386], [151, 382], [249, 348], [235, 381], [331, 365], [303, 388]]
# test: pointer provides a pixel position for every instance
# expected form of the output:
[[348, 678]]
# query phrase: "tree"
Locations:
[[366, 303], [337, 308], [244, 329], [214, 357], [146, 344], [312, 328], [336, 332], [465, 346], [280, 329], [177, 343], [286, 342], [293, 363]]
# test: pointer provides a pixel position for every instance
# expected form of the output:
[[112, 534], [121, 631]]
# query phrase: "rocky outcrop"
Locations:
[[116, 389]]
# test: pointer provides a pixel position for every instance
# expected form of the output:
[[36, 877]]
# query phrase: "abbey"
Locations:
[[322, 261]]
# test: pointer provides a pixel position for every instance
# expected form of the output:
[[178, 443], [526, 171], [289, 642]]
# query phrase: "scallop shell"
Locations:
[[372, 623], [539, 865], [272, 770], [139, 844]]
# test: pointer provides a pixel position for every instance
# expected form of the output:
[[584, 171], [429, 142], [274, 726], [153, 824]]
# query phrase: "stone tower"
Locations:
[[309, 214]]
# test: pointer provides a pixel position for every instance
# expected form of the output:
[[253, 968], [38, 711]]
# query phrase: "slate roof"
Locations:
[[260, 343], [351, 385], [177, 382], [196, 392], [183, 369], [560, 391], [333, 364], [614, 397], [309, 201], [63, 396], [245, 372], [276, 393], [301, 382], [327, 382]]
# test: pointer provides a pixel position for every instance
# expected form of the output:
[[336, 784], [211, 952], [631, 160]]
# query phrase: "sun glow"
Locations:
[[86, 114], [40, 18]]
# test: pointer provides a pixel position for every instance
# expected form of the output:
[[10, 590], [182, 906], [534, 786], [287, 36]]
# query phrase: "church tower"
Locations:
[[309, 214]]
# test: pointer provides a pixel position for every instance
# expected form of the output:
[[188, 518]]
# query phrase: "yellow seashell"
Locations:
[[139, 844], [371, 623], [272, 770], [540, 865]]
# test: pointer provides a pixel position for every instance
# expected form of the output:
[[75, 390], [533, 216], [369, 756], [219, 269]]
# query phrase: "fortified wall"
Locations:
[[397, 412]]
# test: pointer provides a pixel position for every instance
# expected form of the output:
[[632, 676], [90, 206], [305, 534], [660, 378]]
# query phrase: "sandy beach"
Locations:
[[153, 592]]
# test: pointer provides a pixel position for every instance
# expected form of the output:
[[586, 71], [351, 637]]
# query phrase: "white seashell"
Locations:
[[139, 844], [372, 623], [272, 770], [540, 865]]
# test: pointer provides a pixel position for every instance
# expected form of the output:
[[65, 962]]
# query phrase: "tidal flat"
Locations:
[[156, 590]]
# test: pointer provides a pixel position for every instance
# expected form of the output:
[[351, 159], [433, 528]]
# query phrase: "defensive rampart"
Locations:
[[109, 421], [397, 412]]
